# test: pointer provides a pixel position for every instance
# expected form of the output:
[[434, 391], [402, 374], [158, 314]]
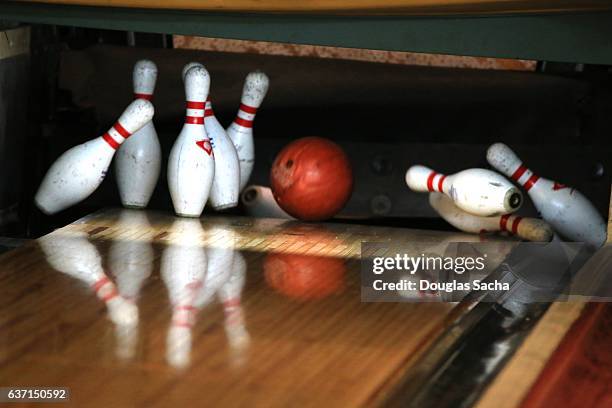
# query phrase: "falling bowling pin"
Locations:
[[476, 191], [567, 210], [225, 188], [241, 130], [79, 171], [531, 229], [191, 164], [138, 160]]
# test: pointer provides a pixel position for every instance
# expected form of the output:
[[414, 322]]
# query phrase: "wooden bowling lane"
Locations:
[[185, 334], [565, 361]]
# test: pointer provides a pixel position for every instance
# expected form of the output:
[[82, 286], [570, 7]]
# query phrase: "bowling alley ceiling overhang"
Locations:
[[564, 31], [403, 7]]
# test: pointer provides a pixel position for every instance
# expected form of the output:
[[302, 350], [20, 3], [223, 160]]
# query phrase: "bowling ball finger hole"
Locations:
[[289, 164]]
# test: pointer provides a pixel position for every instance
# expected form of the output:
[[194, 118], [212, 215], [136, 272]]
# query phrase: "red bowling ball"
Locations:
[[311, 178]]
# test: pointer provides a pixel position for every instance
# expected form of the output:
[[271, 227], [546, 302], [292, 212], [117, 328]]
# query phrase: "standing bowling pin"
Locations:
[[241, 130], [224, 191], [531, 229], [477, 191], [568, 211], [79, 171], [191, 164], [139, 158]]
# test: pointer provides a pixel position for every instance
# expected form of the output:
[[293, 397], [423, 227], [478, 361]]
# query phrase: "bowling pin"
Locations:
[[569, 212], [191, 164], [138, 159], [476, 191], [259, 201], [224, 192], [241, 130], [79, 171], [531, 229], [70, 252]]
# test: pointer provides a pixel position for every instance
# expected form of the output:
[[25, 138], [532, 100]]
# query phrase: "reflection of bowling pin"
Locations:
[[139, 158], [73, 254], [183, 269], [191, 164], [79, 171], [477, 191], [130, 259], [230, 296], [531, 229], [241, 130], [568, 211], [259, 201]]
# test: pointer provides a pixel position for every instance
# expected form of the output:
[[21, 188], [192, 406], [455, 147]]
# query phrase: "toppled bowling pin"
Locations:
[[241, 130], [191, 164], [477, 191], [259, 201], [567, 210], [79, 171], [138, 160], [531, 229]]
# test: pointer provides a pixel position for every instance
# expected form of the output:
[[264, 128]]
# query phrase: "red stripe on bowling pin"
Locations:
[[431, 179], [515, 224], [530, 182], [245, 110], [503, 223], [148, 97], [194, 120], [100, 284], [112, 142], [208, 110]]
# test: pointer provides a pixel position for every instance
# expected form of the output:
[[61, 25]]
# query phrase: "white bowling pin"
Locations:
[[258, 201], [138, 160], [531, 229], [567, 210], [79, 171], [183, 270], [224, 192], [70, 252], [477, 191], [241, 130], [191, 164], [226, 186]]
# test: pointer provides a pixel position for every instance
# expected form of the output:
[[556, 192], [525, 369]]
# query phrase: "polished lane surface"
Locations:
[[133, 308]]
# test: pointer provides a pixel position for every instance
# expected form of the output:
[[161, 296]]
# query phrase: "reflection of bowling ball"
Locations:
[[304, 277], [311, 178]]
